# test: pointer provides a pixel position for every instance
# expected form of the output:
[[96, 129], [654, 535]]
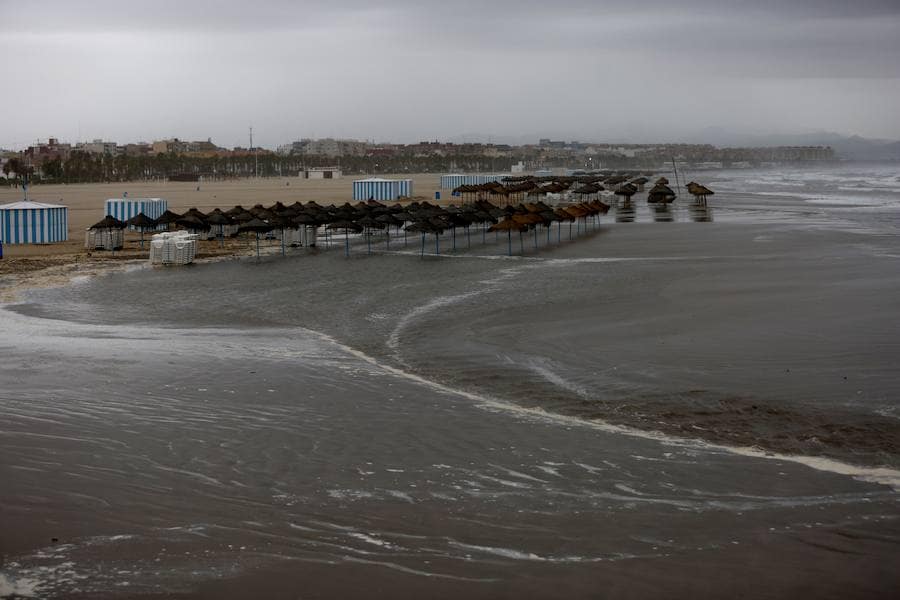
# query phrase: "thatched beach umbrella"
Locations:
[[219, 219], [108, 222], [142, 222], [257, 226], [192, 223], [347, 227], [660, 194], [106, 233], [509, 225], [167, 218], [369, 223]]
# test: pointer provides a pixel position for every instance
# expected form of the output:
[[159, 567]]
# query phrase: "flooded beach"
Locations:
[[689, 401]]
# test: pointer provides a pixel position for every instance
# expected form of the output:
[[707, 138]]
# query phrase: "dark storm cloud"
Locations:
[[197, 67]]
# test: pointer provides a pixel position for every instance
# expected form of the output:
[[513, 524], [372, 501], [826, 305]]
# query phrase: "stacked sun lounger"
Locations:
[[175, 248], [104, 239]]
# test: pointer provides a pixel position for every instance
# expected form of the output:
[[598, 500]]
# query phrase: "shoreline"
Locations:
[[644, 424]]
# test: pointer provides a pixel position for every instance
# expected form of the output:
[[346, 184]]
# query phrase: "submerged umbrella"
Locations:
[[347, 226], [509, 225], [257, 226]]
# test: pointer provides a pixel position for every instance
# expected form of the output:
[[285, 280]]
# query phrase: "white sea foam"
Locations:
[[25, 587], [880, 475]]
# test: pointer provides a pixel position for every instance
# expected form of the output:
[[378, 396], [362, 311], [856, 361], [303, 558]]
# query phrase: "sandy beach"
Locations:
[[86, 201]]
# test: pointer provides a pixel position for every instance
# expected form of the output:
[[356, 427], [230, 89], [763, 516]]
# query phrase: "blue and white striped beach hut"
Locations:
[[30, 222], [452, 182], [125, 208], [381, 189]]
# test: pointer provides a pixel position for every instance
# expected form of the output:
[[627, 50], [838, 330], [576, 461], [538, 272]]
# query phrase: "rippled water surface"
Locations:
[[685, 402]]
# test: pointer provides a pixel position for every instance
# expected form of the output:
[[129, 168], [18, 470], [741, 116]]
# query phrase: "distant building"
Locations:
[[139, 149], [548, 143], [172, 146], [330, 147], [98, 146], [321, 173], [35, 156]]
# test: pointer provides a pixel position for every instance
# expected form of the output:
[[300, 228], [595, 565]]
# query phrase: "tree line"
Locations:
[[83, 167]]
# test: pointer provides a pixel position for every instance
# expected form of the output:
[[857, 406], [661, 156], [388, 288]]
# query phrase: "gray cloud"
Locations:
[[403, 70]]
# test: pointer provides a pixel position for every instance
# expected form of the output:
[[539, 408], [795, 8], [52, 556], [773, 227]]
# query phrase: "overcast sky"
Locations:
[[405, 70]]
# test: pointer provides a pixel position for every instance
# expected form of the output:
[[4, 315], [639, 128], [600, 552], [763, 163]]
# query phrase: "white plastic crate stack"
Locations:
[[104, 239], [173, 248]]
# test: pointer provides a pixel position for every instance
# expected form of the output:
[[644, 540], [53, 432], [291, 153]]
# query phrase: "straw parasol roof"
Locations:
[[508, 224], [255, 225], [167, 218], [193, 223], [217, 217], [141, 221], [108, 222]]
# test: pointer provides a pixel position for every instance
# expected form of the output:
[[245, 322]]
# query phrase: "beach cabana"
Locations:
[[376, 188], [456, 180], [125, 208], [28, 222]]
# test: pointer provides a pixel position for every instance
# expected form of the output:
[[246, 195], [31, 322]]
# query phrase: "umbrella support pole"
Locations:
[[509, 242], [437, 243], [521, 244], [535, 237], [468, 238], [423, 245], [453, 233], [257, 245], [346, 243], [368, 234], [559, 232], [483, 232], [570, 231], [282, 243]]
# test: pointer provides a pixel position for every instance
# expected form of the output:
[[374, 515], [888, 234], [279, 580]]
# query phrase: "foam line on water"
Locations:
[[879, 475], [51, 331]]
